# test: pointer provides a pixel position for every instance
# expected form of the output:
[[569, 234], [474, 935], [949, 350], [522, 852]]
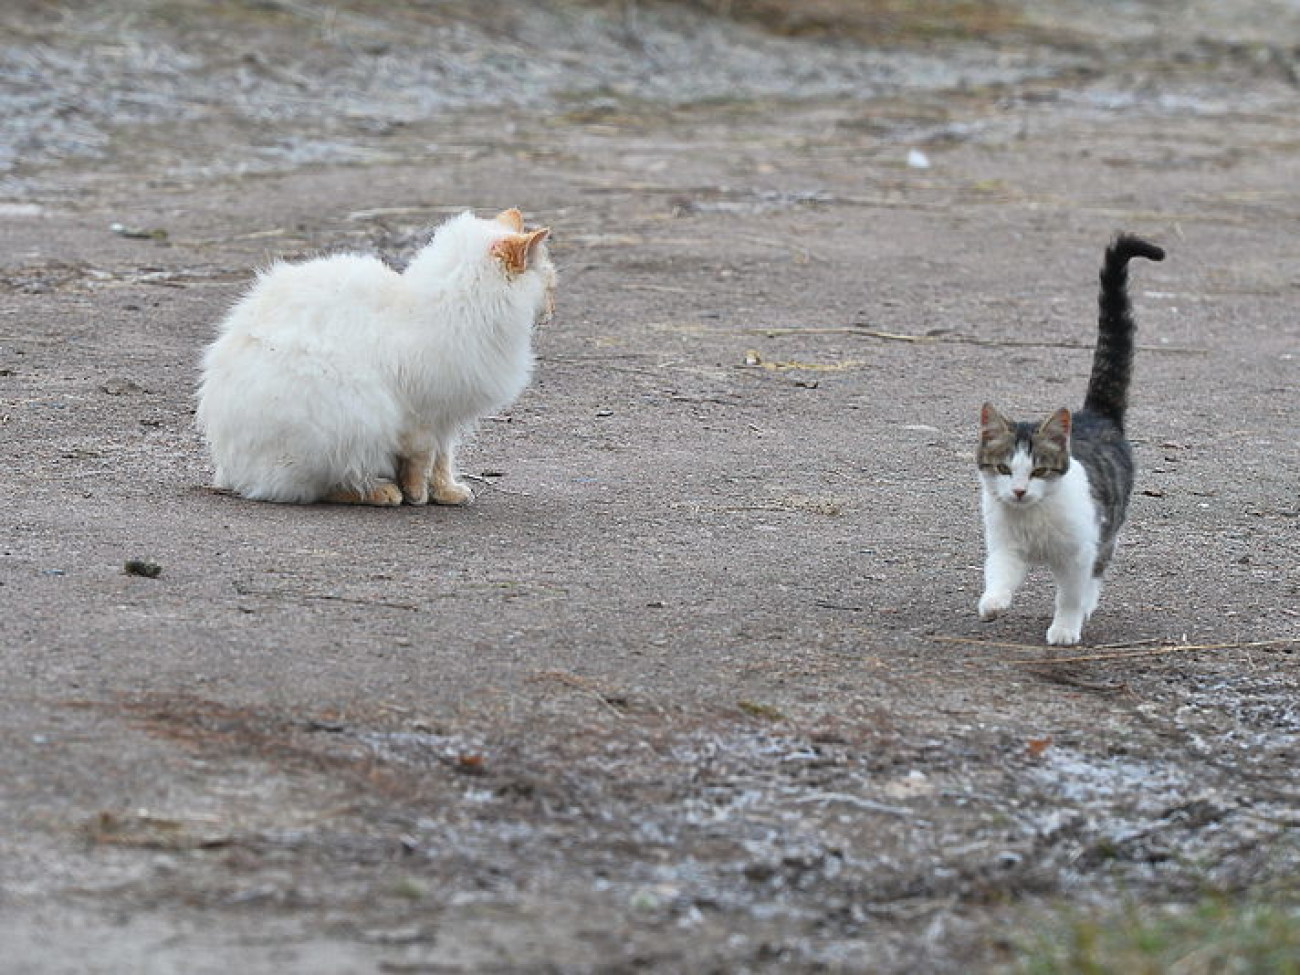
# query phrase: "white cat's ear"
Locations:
[[514, 251], [512, 218], [992, 423], [1057, 427]]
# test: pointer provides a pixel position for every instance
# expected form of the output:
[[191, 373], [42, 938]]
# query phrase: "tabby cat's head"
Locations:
[[1020, 463]]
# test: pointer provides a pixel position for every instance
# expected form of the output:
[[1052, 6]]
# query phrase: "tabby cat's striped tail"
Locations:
[[1112, 363]]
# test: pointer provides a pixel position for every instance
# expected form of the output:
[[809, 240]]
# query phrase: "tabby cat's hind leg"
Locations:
[[381, 493]]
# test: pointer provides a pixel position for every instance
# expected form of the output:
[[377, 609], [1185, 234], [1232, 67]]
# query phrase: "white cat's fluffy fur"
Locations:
[[340, 379]]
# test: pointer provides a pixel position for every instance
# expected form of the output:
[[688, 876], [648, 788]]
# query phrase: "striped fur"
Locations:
[[1112, 362]]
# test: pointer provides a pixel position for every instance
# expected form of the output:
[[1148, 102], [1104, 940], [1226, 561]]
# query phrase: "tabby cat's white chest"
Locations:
[[1050, 530]]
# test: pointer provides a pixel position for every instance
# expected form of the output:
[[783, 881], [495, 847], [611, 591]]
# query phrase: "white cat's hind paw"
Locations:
[[993, 605], [384, 494]]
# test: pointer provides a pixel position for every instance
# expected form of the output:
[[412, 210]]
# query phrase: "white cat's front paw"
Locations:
[[1063, 634], [452, 492], [415, 494], [994, 604]]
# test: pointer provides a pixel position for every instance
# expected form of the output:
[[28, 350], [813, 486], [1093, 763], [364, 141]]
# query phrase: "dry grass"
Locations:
[[874, 21]]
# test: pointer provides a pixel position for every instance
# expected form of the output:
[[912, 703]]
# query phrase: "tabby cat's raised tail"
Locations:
[[1112, 363]]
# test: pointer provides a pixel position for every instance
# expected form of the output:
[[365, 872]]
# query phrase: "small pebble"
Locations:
[[139, 567]]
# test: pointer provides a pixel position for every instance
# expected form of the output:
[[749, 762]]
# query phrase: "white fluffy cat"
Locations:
[[342, 380]]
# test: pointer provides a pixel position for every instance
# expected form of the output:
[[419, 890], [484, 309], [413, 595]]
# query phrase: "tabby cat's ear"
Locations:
[[992, 423], [514, 251], [1056, 427], [512, 218]]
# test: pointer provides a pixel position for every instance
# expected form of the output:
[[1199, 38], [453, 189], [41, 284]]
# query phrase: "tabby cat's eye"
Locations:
[[1004, 468], [1039, 472]]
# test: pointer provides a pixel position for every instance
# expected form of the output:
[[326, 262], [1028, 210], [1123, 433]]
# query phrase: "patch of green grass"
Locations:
[[764, 711], [1218, 936]]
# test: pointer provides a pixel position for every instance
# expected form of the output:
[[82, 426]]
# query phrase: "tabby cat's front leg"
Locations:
[[1076, 597], [1004, 571]]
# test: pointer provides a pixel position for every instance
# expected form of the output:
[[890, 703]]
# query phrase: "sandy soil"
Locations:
[[697, 683]]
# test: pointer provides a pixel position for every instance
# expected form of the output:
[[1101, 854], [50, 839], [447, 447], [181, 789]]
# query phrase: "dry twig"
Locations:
[[1119, 651]]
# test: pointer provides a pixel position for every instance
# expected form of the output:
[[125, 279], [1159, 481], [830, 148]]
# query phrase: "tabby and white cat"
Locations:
[[1057, 491], [341, 380]]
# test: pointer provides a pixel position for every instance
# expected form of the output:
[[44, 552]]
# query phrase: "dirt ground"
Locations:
[[696, 684]]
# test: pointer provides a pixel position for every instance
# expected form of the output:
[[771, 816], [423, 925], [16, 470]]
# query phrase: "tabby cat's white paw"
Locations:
[[993, 605], [1063, 635]]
